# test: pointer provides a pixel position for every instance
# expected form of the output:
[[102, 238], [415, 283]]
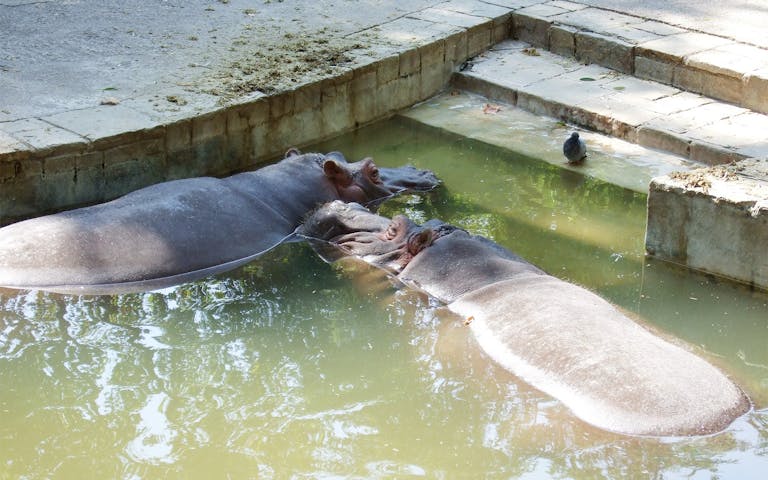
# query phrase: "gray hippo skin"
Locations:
[[184, 230], [560, 338]]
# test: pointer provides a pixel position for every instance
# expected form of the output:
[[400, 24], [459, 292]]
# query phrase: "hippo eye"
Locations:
[[374, 174]]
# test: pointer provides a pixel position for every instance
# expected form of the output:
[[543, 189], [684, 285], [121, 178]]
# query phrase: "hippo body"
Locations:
[[184, 230], [561, 338]]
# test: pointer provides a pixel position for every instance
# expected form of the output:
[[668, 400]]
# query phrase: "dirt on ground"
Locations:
[[280, 64]]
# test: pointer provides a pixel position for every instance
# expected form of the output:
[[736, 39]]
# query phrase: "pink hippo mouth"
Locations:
[[339, 230]]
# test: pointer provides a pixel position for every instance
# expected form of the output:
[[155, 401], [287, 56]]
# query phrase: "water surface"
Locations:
[[292, 368]]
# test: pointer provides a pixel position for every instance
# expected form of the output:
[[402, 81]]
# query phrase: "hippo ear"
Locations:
[[337, 173], [292, 152], [420, 241]]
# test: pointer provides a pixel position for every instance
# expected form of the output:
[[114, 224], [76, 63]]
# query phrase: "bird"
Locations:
[[574, 149]]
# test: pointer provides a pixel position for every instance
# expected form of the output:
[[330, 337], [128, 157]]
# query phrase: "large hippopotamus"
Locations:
[[562, 339], [184, 230]]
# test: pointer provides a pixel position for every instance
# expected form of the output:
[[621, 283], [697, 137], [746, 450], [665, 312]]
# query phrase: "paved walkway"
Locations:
[[60, 56]]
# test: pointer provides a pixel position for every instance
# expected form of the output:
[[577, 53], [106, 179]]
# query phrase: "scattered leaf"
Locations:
[[175, 99], [468, 320], [619, 88], [531, 52], [107, 89], [489, 108], [587, 79]]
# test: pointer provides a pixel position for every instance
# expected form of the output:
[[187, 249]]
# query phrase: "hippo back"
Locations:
[[609, 370]]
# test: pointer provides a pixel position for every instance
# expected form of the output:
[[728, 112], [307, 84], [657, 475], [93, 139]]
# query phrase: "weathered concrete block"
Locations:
[[178, 136], [90, 179], [606, 51], [531, 29], [106, 126], [665, 140], [133, 166], [308, 96], [730, 60], [711, 154], [656, 70], [364, 79], [238, 139], [562, 40], [44, 138], [336, 108], [258, 111], [456, 48], [502, 29], [673, 48], [713, 219], [58, 182], [19, 200], [259, 143], [755, 91], [281, 104], [406, 92], [410, 62], [293, 130], [434, 74], [207, 127], [363, 106], [710, 84], [479, 38], [388, 69]]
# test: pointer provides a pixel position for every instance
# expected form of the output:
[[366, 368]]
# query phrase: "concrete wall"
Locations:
[[714, 220]]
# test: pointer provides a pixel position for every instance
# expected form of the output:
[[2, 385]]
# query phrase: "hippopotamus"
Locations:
[[183, 230], [568, 342]]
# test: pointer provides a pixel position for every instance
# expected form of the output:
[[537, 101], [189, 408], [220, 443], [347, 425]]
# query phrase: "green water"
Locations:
[[292, 368]]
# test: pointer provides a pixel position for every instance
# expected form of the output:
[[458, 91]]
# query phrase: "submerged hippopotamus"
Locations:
[[184, 230], [564, 340]]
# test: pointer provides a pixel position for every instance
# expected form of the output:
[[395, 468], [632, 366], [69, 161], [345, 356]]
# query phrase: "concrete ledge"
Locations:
[[713, 219]]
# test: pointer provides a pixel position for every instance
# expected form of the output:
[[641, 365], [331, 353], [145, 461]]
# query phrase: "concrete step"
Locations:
[[598, 98], [610, 159], [715, 66]]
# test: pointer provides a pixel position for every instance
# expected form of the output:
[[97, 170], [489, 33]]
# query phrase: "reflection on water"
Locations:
[[292, 368]]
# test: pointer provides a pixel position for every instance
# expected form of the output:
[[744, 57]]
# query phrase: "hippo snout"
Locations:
[[408, 177]]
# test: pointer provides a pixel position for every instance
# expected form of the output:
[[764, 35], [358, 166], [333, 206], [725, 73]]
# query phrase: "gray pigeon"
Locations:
[[574, 149]]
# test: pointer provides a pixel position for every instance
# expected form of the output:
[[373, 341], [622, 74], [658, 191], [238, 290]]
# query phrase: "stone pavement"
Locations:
[[98, 98]]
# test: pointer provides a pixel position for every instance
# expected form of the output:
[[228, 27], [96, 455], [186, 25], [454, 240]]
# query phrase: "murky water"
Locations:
[[291, 368]]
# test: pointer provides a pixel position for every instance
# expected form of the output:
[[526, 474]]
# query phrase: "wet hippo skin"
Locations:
[[561, 338], [187, 229]]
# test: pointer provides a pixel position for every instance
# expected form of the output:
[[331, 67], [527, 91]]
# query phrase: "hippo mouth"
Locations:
[[339, 229]]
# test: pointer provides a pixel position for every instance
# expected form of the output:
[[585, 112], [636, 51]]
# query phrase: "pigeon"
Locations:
[[574, 149]]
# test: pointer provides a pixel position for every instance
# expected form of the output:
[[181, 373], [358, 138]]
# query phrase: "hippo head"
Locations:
[[365, 183], [348, 229]]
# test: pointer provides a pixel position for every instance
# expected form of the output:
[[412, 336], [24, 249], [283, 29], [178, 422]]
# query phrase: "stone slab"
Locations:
[[674, 48], [42, 135], [102, 122]]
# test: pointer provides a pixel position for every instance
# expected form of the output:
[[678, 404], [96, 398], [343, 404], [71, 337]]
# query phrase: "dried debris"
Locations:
[[279, 66], [531, 52], [702, 178]]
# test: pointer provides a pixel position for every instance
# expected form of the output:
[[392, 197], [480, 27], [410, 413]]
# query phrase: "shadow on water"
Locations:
[[290, 367]]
